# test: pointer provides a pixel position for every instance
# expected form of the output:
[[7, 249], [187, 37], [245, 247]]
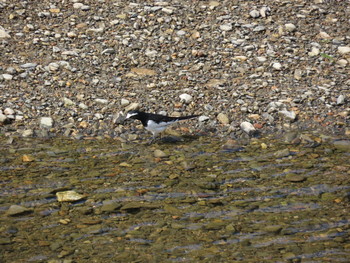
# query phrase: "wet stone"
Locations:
[[295, 178], [17, 210]]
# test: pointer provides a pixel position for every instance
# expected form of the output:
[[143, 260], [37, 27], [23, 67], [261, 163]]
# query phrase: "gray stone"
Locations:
[[110, 206], [289, 115], [7, 76], [29, 65], [226, 27], [282, 153], [3, 33], [3, 118], [254, 13], [340, 99], [342, 145], [16, 210], [46, 122]]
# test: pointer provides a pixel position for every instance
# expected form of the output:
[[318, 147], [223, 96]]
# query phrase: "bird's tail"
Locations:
[[187, 117]]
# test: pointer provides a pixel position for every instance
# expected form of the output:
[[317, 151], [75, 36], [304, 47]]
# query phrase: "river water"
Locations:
[[199, 200]]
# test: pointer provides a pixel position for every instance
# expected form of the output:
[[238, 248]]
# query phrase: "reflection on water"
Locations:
[[243, 204]]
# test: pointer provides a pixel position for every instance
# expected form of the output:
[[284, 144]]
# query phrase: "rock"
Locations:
[[124, 102], [277, 66], [143, 71], [186, 97], [261, 59], [7, 76], [110, 206], [160, 154], [343, 50], [101, 101], [340, 99], [3, 118], [290, 27], [69, 196], [203, 118], [342, 145], [16, 210], [83, 106], [29, 65], [9, 111], [289, 115], [46, 122], [282, 153], [265, 11], [222, 118], [314, 52], [132, 106], [3, 33], [226, 27], [27, 158], [247, 127], [27, 133], [68, 102], [295, 178], [254, 13], [53, 66], [342, 62]]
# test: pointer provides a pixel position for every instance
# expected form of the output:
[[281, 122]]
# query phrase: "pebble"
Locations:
[[9, 111], [132, 106], [226, 27], [16, 210], [254, 13], [247, 127], [222, 118], [124, 102], [68, 102], [159, 154], [342, 62], [3, 118], [314, 52], [69, 196], [343, 50], [27, 133], [288, 115], [342, 145], [290, 27], [340, 99], [7, 76], [277, 66], [110, 206], [29, 65], [101, 101], [295, 178], [203, 118], [185, 97], [282, 153], [3, 33], [83, 106], [46, 122]]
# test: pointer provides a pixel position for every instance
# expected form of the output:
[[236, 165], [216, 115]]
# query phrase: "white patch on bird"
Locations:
[[156, 128], [130, 115]]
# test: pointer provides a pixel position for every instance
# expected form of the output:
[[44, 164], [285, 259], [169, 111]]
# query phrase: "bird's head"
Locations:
[[134, 114]]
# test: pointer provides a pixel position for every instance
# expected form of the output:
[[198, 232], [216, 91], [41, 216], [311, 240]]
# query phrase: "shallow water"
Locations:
[[205, 201]]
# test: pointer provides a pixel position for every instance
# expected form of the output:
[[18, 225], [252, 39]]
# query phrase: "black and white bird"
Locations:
[[155, 123]]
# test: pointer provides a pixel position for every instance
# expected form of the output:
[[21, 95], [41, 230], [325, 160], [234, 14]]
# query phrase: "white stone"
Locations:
[[254, 13], [340, 99], [68, 102], [203, 118], [261, 59], [98, 116], [46, 122], [101, 101], [343, 50], [7, 76], [314, 52], [290, 27], [132, 106], [277, 66], [78, 5], [167, 10], [53, 66], [9, 111], [2, 118], [28, 133], [247, 127], [82, 106], [342, 62], [124, 102], [151, 53], [3, 33], [289, 115], [226, 27], [186, 97]]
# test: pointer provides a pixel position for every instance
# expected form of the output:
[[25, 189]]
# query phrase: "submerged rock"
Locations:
[[69, 196], [16, 210]]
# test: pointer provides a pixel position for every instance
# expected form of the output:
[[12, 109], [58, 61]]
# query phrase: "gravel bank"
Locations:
[[74, 68]]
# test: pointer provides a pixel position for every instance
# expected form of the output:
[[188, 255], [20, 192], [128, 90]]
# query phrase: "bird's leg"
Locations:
[[153, 138]]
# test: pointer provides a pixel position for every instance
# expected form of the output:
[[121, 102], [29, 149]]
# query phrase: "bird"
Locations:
[[155, 123]]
